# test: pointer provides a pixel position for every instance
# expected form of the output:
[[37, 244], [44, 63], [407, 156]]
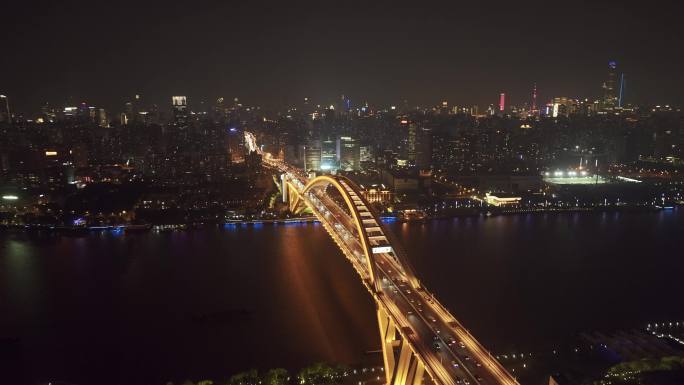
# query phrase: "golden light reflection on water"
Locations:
[[330, 300], [298, 274], [18, 274]]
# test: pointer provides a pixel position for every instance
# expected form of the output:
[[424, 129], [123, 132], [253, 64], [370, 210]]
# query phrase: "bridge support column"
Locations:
[[402, 367], [295, 203], [283, 187]]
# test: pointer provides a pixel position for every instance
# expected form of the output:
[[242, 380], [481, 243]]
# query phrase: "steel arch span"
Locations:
[[359, 212], [418, 335]]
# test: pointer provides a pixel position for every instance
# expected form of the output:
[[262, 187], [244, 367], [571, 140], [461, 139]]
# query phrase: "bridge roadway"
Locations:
[[453, 362], [450, 354]]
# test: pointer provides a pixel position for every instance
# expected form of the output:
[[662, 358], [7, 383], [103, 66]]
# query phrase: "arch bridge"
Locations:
[[421, 341]]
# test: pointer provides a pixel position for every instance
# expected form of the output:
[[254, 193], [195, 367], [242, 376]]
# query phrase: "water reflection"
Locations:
[[170, 306], [554, 276]]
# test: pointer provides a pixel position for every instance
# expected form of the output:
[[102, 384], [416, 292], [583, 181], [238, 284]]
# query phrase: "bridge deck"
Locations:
[[449, 353]]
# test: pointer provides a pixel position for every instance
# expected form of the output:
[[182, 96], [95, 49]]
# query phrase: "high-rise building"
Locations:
[[564, 106], [329, 155], [622, 90], [48, 112], [180, 110], [98, 116], [138, 115], [348, 154], [411, 143], [128, 114], [312, 157], [502, 102], [133, 111], [366, 153], [424, 149], [610, 99], [5, 114], [236, 144]]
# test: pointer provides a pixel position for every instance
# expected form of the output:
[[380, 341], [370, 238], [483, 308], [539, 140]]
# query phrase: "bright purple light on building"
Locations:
[[502, 102], [233, 129]]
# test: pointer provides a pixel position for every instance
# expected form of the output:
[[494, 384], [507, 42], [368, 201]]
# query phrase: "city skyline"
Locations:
[[341, 193], [613, 95], [276, 55]]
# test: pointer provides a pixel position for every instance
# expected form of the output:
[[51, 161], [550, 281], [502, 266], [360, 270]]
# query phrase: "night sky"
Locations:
[[274, 54]]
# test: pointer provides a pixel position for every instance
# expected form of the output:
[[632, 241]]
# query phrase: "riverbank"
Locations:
[[386, 218]]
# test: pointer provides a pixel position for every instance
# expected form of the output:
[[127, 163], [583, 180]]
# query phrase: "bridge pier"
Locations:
[[283, 187], [290, 194], [296, 204], [402, 367]]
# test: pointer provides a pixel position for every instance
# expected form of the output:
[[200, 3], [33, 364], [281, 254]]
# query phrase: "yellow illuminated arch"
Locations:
[[356, 216]]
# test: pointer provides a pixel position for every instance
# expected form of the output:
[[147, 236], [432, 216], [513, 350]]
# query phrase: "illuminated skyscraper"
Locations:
[[564, 106], [609, 87], [423, 149], [411, 143], [502, 102], [312, 156], [236, 144], [329, 155], [98, 116], [5, 114], [180, 110], [348, 154]]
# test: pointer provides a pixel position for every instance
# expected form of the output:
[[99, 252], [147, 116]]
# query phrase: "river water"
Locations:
[[113, 308]]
